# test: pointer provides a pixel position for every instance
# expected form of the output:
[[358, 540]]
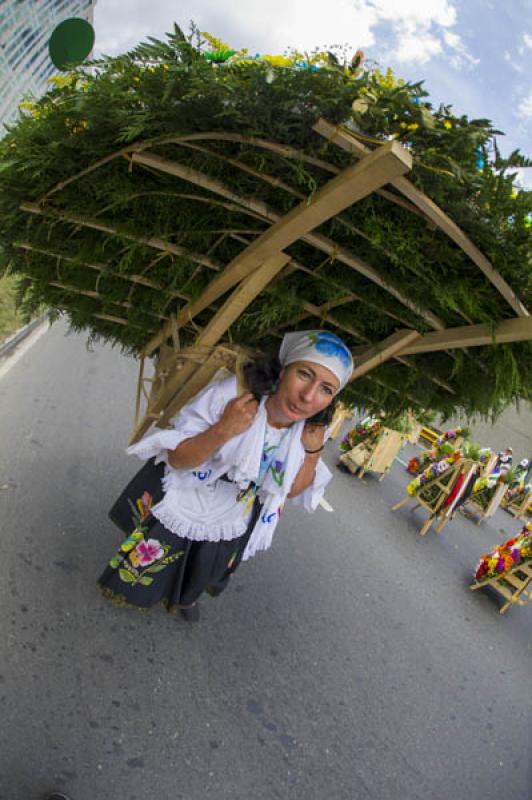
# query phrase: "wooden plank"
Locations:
[[388, 446], [351, 185], [495, 501], [257, 208], [381, 352], [178, 383], [224, 318], [345, 140], [518, 329]]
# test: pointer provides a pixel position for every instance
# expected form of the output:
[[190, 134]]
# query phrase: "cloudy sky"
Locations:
[[473, 54]]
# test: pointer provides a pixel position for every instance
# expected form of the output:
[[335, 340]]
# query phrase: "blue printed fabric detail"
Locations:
[[202, 476], [331, 345]]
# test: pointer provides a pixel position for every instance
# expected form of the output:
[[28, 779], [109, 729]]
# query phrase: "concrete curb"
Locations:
[[7, 347]]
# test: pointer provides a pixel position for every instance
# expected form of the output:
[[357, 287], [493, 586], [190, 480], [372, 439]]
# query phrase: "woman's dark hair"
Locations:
[[262, 375]]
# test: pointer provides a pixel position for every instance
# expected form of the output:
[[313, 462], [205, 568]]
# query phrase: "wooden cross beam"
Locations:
[[351, 185], [183, 384], [377, 354], [518, 329], [409, 342]]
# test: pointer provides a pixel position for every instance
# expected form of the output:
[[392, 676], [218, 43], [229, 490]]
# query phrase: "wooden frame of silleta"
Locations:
[[180, 371]]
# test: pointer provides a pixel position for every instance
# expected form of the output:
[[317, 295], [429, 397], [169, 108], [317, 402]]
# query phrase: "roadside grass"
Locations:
[[10, 318]]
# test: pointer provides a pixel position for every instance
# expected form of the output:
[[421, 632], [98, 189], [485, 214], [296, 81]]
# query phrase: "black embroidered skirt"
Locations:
[[156, 566]]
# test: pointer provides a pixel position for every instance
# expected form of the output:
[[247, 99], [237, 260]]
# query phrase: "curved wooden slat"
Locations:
[[95, 224], [103, 268], [137, 147], [347, 141], [322, 243]]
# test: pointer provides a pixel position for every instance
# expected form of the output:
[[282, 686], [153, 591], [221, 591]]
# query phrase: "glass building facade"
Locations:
[[25, 30]]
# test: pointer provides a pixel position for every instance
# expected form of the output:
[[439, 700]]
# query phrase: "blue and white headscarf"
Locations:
[[318, 347]]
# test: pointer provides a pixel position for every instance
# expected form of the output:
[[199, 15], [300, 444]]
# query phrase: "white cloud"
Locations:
[[268, 28], [527, 39], [460, 55], [412, 12], [524, 177], [420, 30], [418, 46], [524, 109]]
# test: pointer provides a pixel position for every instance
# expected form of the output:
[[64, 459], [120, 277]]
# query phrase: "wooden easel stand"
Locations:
[[513, 586]]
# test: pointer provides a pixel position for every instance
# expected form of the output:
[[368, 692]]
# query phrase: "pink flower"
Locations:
[[148, 552]]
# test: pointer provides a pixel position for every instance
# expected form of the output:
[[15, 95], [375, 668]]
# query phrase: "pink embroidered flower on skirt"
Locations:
[[149, 551]]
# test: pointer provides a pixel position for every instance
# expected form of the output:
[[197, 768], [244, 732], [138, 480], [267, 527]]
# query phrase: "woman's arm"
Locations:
[[306, 474], [237, 417], [312, 440]]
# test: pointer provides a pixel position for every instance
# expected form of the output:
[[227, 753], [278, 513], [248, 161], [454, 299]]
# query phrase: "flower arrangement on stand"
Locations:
[[505, 557], [444, 446], [436, 469], [451, 435], [485, 487], [366, 431], [516, 492]]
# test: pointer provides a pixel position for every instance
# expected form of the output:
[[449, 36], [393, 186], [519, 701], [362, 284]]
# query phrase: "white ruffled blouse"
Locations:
[[198, 505]]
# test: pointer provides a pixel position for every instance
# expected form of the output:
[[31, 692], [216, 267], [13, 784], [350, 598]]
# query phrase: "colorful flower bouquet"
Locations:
[[517, 492], [485, 487], [414, 465], [366, 431], [485, 455], [506, 556], [439, 452], [450, 435], [436, 469]]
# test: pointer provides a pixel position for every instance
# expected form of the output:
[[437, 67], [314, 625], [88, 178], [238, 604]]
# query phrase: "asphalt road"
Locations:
[[349, 662]]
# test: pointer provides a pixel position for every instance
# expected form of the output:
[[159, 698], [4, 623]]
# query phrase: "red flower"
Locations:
[[482, 569]]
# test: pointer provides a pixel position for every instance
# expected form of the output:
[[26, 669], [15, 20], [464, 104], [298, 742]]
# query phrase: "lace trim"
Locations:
[[197, 531]]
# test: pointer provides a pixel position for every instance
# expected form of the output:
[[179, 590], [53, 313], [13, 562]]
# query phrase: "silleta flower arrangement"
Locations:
[[436, 469], [517, 491], [450, 435], [505, 557], [442, 448], [366, 431], [484, 488]]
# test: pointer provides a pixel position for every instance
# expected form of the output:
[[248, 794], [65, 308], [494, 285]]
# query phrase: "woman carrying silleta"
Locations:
[[231, 462]]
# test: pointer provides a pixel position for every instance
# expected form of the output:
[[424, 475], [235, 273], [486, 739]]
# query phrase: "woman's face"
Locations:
[[304, 389]]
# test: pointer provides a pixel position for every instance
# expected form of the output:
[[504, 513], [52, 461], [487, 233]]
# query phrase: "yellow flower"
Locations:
[[215, 43], [277, 61], [413, 127], [447, 124], [134, 558]]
